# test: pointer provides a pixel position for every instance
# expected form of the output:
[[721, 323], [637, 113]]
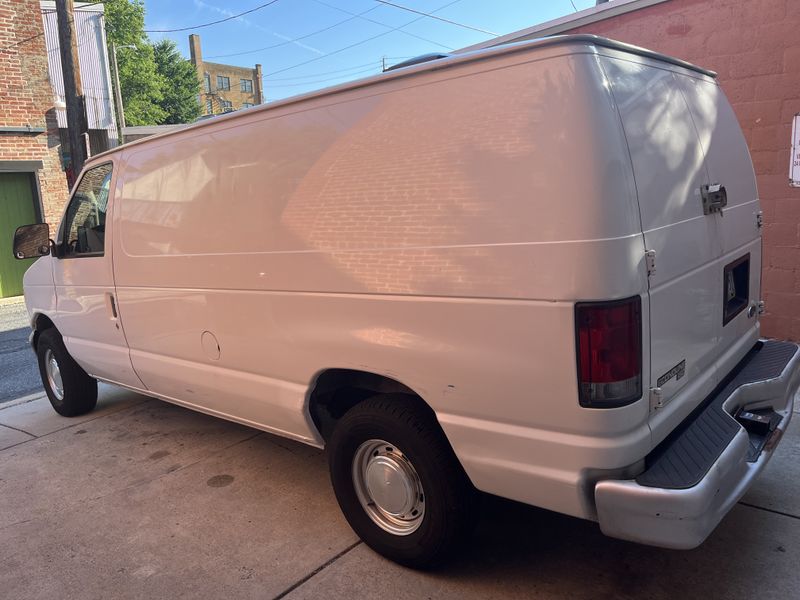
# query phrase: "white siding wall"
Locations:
[[94, 63]]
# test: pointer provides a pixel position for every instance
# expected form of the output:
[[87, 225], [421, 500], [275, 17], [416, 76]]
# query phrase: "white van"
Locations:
[[532, 270]]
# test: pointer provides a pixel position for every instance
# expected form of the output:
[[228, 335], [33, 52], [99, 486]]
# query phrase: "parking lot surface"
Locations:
[[143, 499]]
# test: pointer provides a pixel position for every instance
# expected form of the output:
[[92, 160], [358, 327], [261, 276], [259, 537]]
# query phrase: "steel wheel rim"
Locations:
[[388, 487], [53, 372]]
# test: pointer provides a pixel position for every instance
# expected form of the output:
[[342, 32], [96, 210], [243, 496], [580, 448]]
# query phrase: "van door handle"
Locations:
[[715, 198], [112, 305]]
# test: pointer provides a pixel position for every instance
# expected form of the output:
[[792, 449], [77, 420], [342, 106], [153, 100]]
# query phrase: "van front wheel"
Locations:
[[71, 390], [398, 482]]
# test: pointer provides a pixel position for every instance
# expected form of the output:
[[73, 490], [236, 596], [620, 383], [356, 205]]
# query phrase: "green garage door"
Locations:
[[16, 208]]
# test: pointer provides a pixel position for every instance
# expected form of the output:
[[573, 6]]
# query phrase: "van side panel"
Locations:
[[436, 229]]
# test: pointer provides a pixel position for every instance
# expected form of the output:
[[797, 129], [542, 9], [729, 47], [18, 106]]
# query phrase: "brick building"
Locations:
[[754, 46], [224, 88], [33, 186]]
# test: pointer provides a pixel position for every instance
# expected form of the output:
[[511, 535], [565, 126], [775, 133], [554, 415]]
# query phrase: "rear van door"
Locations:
[[685, 280], [738, 222]]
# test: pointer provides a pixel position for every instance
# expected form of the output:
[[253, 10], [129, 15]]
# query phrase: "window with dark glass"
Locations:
[[223, 83], [247, 104], [209, 107], [85, 223], [207, 83], [247, 85], [226, 105]]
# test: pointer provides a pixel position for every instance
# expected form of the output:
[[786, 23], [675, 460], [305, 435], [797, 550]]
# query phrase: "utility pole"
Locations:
[[118, 96], [73, 90]]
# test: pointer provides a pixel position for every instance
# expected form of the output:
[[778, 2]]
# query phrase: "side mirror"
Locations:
[[32, 241]]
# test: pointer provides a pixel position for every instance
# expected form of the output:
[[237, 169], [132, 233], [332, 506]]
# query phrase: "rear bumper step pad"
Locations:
[[684, 458]]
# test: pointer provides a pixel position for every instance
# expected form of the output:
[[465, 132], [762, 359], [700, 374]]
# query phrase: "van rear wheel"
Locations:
[[69, 388], [398, 483]]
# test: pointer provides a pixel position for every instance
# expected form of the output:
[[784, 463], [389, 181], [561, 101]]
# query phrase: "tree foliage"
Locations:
[[181, 85], [140, 83], [154, 79]]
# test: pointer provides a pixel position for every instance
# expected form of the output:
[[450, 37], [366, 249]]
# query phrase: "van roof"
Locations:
[[420, 67]]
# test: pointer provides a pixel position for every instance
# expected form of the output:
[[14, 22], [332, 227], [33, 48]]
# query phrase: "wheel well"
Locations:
[[338, 390], [41, 323]]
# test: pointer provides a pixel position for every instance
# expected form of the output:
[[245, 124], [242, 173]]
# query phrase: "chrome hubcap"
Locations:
[[388, 487], [53, 374]]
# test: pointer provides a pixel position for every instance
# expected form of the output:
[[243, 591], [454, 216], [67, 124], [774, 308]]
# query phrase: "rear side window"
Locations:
[[85, 222]]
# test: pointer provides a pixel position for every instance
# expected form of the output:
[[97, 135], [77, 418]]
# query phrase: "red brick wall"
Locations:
[[754, 45], [26, 98]]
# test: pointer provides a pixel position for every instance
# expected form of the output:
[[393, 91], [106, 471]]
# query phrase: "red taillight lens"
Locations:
[[609, 346]]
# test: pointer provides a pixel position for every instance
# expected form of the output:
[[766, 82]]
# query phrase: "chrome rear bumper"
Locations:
[[681, 516]]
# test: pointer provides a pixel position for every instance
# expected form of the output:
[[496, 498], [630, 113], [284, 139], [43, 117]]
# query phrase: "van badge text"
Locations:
[[677, 372]]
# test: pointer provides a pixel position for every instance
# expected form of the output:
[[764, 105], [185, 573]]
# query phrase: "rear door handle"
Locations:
[[715, 198]]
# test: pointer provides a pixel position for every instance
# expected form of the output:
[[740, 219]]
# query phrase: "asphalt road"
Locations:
[[19, 373]]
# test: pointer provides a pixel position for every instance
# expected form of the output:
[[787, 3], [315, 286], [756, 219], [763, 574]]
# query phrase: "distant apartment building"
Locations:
[[224, 88]]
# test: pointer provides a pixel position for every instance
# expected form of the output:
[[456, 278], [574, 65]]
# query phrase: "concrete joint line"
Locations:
[[770, 510], [34, 436], [319, 569], [15, 445]]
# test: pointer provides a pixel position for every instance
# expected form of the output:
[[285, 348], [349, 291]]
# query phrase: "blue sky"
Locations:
[[293, 66]]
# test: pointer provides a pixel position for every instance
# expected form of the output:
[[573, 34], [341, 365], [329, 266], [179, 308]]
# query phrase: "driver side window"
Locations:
[[85, 222]]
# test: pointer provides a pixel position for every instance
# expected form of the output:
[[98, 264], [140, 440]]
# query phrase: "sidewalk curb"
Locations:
[[23, 400]]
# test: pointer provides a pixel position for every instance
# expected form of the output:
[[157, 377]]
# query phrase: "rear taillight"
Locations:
[[608, 339]]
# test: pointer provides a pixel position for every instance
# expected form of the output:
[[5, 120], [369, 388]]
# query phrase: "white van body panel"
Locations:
[[40, 291], [358, 253], [435, 226]]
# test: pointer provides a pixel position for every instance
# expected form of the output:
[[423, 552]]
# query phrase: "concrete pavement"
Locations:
[[142, 499], [19, 372]]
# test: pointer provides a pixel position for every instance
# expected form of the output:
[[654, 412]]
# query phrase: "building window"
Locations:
[[207, 83], [247, 105], [227, 105], [209, 107], [223, 83], [247, 85]]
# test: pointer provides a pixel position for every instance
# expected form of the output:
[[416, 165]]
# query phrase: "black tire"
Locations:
[[79, 389], [449, 497]]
